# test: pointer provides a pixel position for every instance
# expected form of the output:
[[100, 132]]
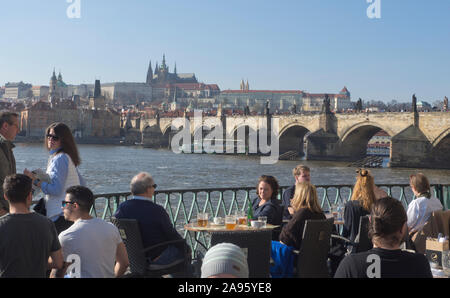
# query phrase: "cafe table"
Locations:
[[255, 243]]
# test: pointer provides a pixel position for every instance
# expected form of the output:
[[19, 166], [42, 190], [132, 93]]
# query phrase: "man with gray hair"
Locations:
[[154, 222]]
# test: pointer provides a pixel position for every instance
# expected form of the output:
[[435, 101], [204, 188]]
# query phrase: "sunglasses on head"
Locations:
[[53, 137]]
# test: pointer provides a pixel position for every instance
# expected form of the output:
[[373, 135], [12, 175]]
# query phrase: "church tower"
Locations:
[[246, 86], [149, 74]]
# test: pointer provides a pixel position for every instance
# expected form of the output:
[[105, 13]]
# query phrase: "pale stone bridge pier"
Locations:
[[417, 139]]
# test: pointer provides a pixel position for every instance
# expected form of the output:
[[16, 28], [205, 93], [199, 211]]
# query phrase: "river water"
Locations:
[[108, 168]]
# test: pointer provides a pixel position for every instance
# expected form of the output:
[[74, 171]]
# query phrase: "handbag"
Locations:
[[40, 207]]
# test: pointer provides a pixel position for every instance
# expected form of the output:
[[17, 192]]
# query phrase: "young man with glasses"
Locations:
[[28, 241], [154, 222], [92, 242], [9, 127]]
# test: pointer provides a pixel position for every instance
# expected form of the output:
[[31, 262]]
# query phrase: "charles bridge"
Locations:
[[418, 139]]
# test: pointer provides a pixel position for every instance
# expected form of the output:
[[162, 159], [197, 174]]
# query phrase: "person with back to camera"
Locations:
[[301, 173], [62, 170], [387, 229], [420, 209], [306, 205], [363, 197], [29, 244], [266, 204], [97, 243]]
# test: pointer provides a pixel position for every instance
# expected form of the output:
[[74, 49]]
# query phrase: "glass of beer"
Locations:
[[230, 222], [241, 217], [202, 219]]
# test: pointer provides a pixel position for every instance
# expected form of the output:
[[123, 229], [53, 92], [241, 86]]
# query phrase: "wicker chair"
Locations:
[[139, 265], [313, 253], [257, 243], [362, 241]]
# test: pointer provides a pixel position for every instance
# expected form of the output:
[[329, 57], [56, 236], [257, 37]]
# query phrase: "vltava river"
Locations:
[[109, 169]]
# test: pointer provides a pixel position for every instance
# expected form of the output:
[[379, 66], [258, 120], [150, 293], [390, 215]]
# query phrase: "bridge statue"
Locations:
[[445, 108], [294, 109], [414, 103], [326, 105]]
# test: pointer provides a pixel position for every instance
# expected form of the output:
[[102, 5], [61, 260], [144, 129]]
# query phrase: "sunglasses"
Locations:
[[53, 137], [64, 203]]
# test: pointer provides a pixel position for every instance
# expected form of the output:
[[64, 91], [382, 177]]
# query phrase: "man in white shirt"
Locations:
[[91, 247]]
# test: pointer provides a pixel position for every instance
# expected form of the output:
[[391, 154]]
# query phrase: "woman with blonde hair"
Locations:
[[306, 205], [360, 204]]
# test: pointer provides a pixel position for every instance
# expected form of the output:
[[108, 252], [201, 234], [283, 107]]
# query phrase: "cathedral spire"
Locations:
[[149, 73], [175, 68]]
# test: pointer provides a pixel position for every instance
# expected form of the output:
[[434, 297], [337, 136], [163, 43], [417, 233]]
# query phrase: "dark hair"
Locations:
[[83, 196], [386, 219], [7, 117], [17, 187], [420, 183], [272, 181], [67, 141]]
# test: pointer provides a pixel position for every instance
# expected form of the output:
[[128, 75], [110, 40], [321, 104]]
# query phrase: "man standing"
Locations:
[[153, 220], [28, 241], [93, 244], [301, 174], [9, 127]]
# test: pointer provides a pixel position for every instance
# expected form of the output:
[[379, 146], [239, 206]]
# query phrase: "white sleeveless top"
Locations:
[[53, 202]]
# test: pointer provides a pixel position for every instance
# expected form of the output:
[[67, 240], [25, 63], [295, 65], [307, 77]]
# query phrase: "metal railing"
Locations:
[[182, 205]]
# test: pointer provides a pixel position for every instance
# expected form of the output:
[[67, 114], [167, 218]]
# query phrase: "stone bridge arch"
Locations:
[[441, 148], [353, 142], [293, 137]]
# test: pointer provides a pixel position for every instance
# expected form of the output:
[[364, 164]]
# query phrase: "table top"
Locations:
[[211, 227]]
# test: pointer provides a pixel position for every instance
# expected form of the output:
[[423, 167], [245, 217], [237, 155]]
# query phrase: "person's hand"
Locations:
[[29, 174], [291, 210]]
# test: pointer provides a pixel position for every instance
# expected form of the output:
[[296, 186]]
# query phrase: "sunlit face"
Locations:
[[53, 141], [10, 130], [265, 191], [303, 177]]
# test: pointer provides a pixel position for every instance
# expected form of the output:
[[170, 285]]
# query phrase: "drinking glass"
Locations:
[[241, 217], [263, 219], [230, 222], [202, 219]]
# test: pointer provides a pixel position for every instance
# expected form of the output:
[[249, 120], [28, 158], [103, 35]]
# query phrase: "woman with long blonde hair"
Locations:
[[306, 205], [360, 204]]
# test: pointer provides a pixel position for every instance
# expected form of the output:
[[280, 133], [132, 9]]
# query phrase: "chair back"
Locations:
[[131, 235], [363, 243], [313, 253], [256, 244]]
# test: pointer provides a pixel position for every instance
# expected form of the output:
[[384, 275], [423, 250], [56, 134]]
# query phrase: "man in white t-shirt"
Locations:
[[91, 247]]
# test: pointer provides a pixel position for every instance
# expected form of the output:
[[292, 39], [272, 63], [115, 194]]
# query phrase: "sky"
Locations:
[[318, 46]]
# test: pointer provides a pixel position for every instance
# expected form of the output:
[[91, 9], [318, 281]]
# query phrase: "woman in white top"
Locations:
[[62, 170], [420, 209]]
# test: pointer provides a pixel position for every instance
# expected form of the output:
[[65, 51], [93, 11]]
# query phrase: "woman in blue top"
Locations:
[[266, 204], [62, 170]]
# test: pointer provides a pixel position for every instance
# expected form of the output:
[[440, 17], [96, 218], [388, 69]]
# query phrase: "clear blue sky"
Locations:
[[313, 45]]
